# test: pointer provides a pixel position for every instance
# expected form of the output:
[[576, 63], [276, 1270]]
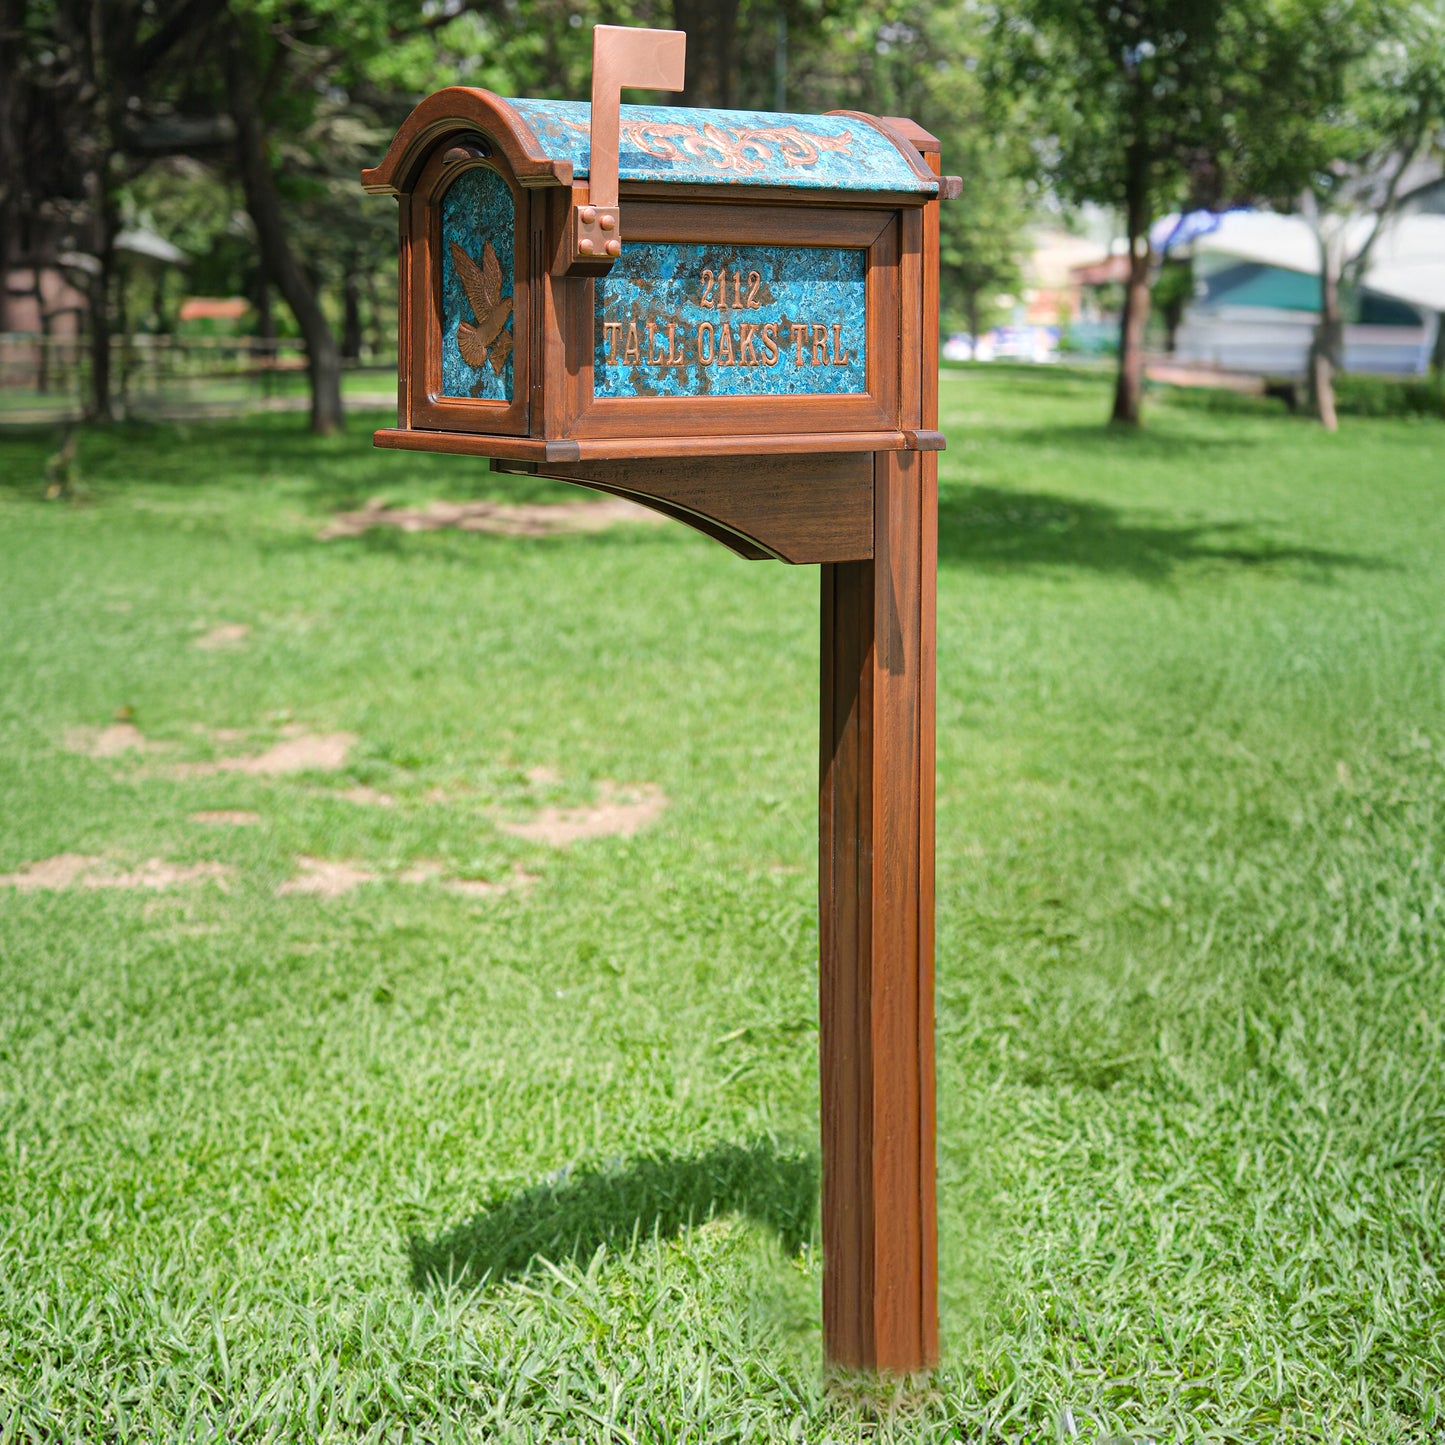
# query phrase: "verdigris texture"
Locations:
[[478, 271], [718, 320], [728, 147]]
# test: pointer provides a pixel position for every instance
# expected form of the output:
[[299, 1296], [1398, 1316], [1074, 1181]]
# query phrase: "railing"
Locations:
[[46, 378]]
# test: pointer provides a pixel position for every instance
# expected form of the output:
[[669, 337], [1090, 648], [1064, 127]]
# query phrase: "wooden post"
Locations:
[[880, 1236]]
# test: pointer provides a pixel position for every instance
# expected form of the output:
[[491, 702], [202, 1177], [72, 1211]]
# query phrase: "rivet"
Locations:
[[614, 247], [589, 215], [585, 245], [607, 220]]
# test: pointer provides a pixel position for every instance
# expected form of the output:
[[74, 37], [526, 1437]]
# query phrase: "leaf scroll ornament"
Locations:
[[486, 339]]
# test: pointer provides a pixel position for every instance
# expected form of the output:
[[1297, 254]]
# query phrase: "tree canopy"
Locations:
[[239, 126]]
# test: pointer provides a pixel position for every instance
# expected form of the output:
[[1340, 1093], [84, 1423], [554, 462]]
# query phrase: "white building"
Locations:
[[1257, 289]]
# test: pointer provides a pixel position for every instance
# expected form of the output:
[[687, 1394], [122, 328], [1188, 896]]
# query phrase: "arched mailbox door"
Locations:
[[733, 318]]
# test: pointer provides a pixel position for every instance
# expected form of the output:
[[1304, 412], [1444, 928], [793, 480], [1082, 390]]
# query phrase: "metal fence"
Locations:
[[47, 378]]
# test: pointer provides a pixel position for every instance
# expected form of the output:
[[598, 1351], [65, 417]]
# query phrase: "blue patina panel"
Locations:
[[721, 320], [728, 147], [478, 269]]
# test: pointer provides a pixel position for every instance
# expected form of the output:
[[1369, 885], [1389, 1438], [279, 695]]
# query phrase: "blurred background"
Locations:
[[408, 872], [1248, 196]]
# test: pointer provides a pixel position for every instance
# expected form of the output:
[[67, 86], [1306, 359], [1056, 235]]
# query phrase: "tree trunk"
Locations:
[[100, 405], [122, 326], [1437, 355], [373, 311], [711, 27], [971, 306], [1173, 314], [13, 55], [351, 314], [42, 312], [1129, 384], [5, 250], [1327, 345], [263, 201], [265, 318]]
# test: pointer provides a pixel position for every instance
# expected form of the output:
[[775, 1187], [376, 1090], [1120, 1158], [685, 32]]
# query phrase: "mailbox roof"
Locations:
[[732, 147]]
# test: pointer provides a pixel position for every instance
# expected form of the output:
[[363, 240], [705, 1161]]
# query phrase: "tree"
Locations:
[[1146, 105], [82, 83], [920, 59], [244, 100], [1389, 109]]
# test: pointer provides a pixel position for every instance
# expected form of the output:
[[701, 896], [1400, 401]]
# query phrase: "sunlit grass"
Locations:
[[410, 1164]]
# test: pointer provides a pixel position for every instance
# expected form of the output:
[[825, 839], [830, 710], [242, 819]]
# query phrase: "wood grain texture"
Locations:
[[470, 444], [403, 311], [876, 815], [804, 196], [454, 113], [880, 1308], [920, 440], [735, 542], [466, 444], [800, 509]]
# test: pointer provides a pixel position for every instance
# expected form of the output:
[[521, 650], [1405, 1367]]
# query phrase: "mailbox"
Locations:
[[733, 317]]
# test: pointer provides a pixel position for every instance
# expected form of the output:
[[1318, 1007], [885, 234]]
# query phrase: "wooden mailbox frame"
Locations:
[[847, 481], [426, 405]]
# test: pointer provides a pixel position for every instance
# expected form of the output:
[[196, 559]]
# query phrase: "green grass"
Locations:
[[542, 1166]]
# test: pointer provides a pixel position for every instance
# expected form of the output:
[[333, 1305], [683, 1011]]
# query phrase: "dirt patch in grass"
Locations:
[[113, 741], [326, 878], [618, 813], [304, 753], [87, 870], [504, 519], [366, 797], [333, 877], [298, 751], [224, 635], [226, 818]]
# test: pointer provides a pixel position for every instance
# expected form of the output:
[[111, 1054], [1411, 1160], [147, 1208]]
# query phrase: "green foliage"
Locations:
[[1381, 100], [1191, 949], [1174, 286], [1357, 395]]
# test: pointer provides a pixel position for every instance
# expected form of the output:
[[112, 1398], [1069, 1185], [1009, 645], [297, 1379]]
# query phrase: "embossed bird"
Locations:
[[490, 310]]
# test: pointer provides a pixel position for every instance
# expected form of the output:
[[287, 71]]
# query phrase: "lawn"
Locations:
[[515, 1140]]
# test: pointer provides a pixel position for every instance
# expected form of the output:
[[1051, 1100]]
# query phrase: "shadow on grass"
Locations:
[[987, 526], [570, 1215], [1114, 444], [335, 473]]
